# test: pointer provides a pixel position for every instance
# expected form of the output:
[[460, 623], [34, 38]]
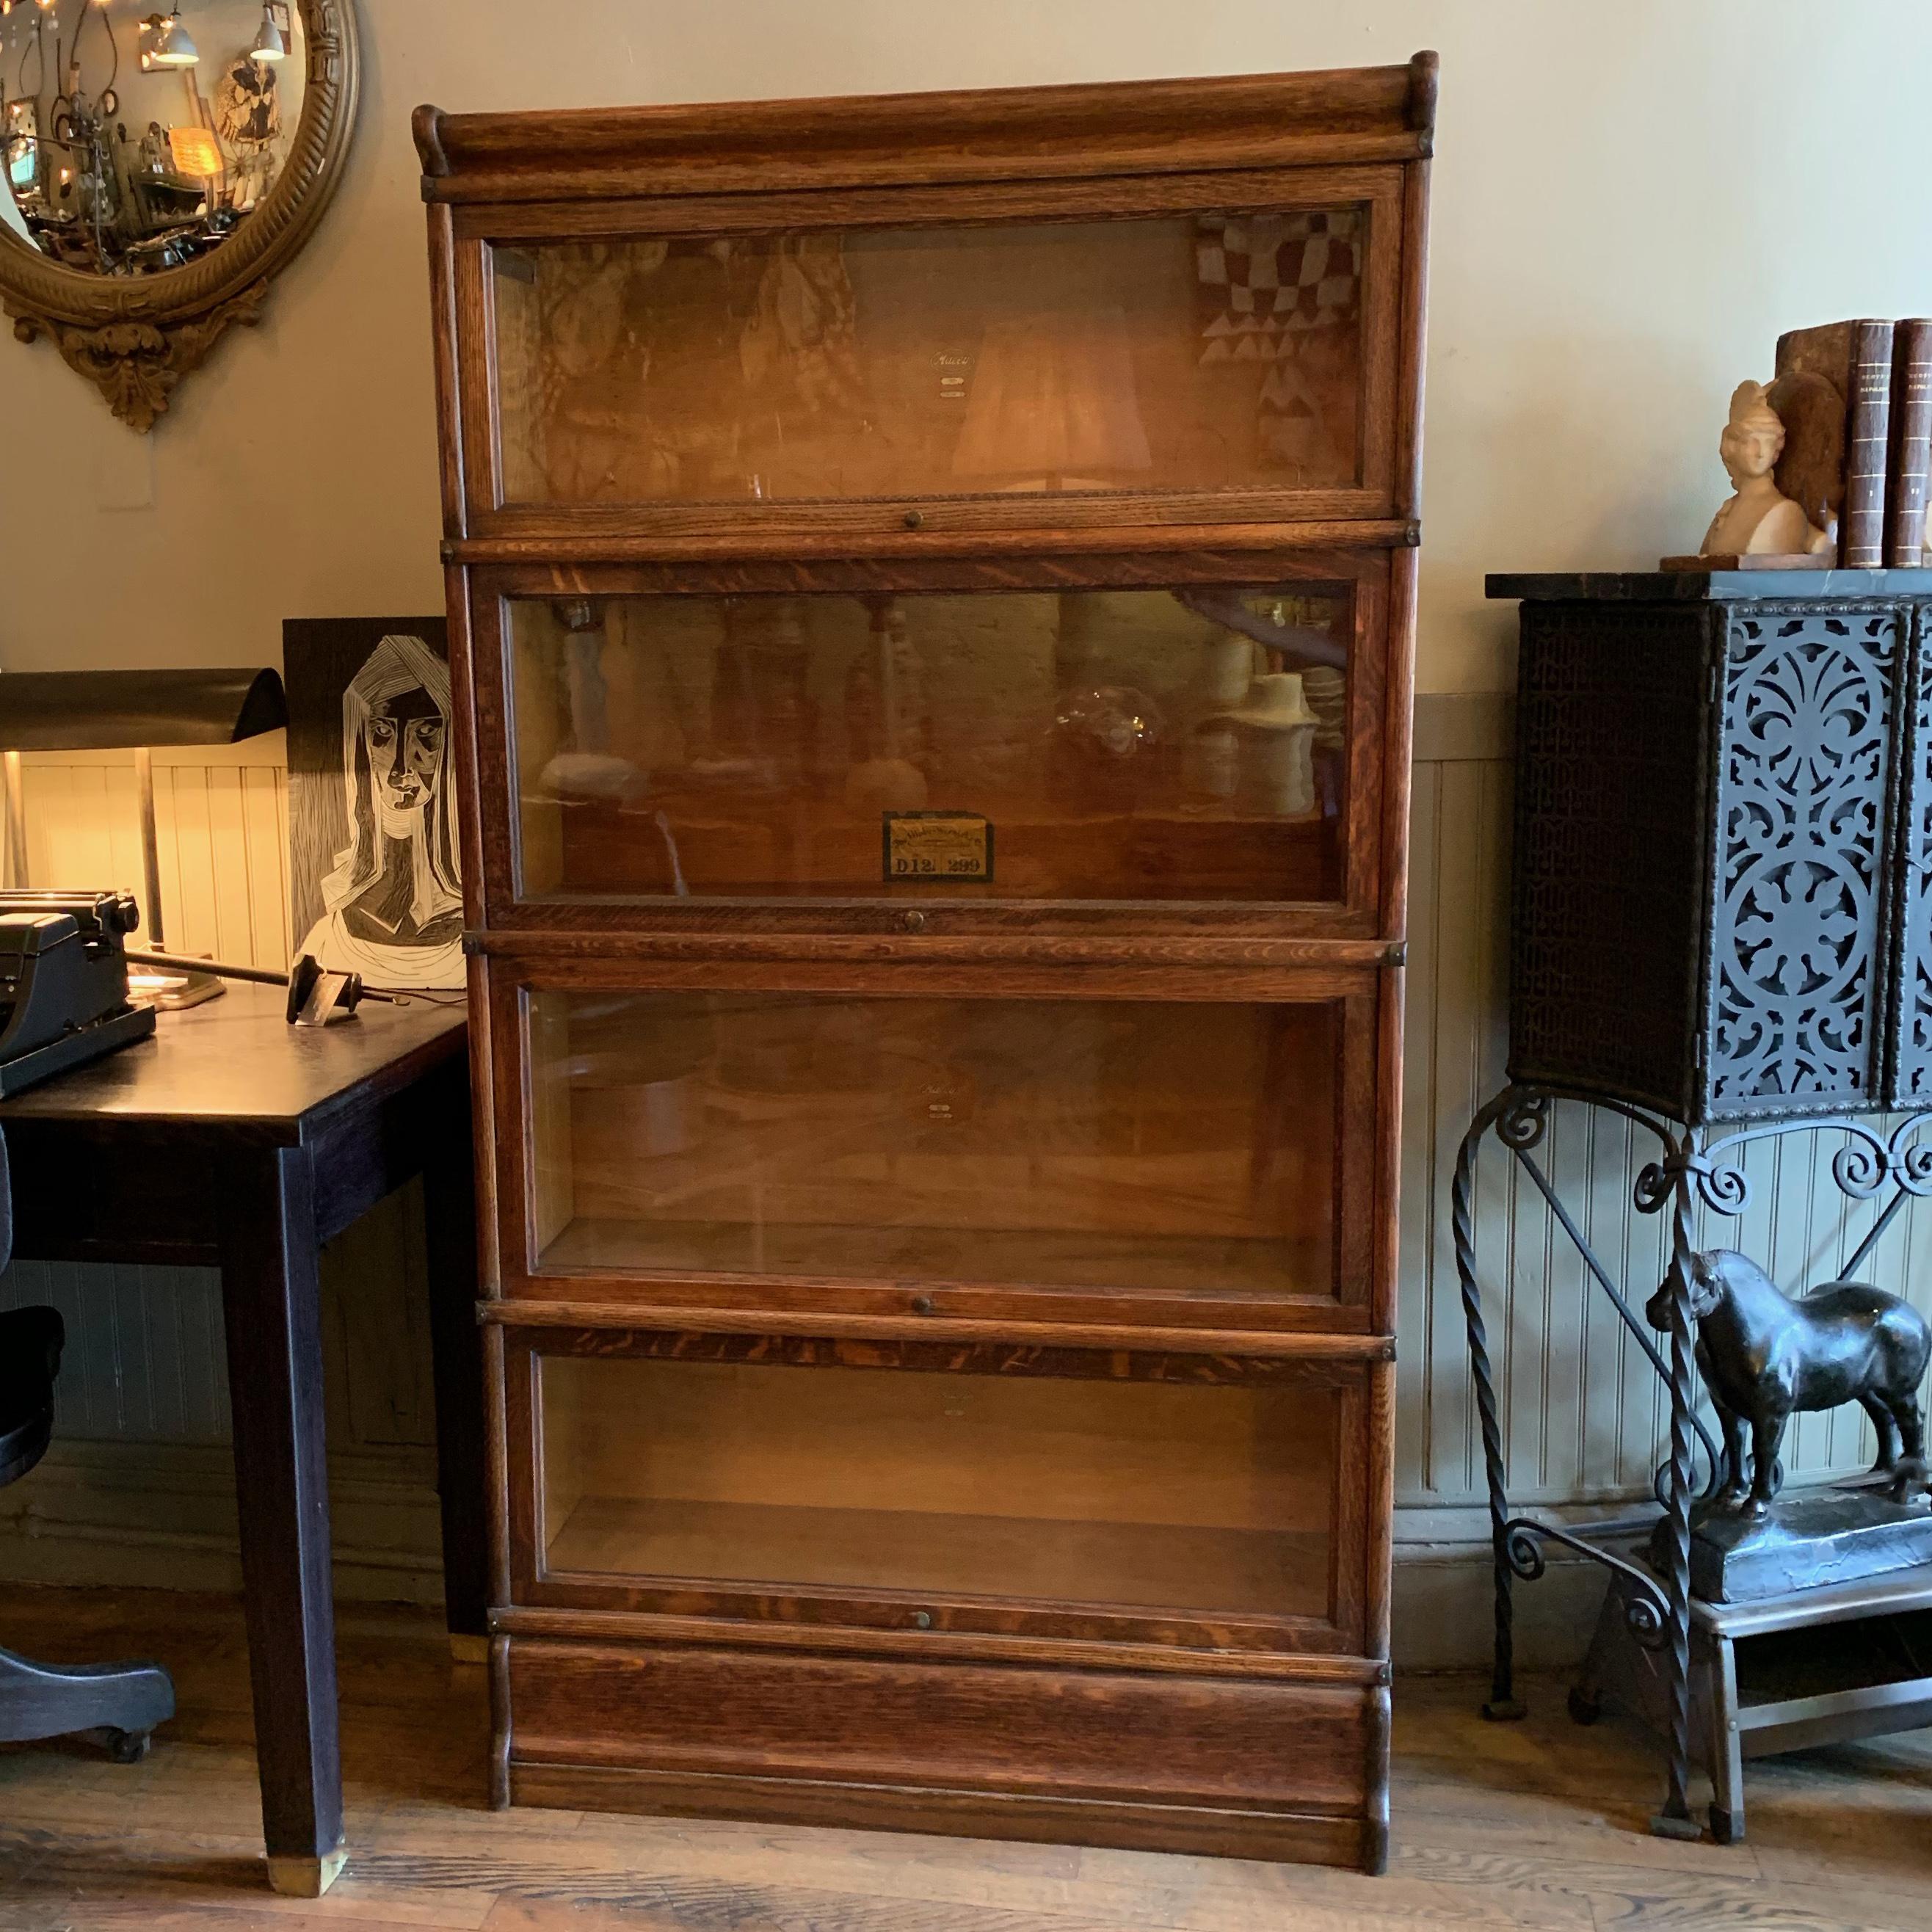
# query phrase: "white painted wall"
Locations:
[[1631, 203]]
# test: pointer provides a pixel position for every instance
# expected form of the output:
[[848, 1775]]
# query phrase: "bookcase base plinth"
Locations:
[[1282, 1837], [1220, 1766]]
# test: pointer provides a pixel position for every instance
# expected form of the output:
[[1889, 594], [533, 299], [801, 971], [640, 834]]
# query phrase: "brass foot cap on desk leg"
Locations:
[[306, 1878], [1663, 1825], [467, 1649]]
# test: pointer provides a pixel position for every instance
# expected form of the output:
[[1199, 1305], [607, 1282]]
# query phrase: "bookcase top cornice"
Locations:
[[1343, 114]]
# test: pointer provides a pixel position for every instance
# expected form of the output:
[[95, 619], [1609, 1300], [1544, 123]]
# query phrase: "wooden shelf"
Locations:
[[1272, 1270], [1175, 1567], [797, 848]]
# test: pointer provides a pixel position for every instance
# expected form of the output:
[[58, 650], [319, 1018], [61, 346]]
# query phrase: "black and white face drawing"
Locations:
[[394, 902], [403, 743]]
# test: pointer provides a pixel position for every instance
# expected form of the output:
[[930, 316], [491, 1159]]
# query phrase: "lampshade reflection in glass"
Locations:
[[1053, 405]]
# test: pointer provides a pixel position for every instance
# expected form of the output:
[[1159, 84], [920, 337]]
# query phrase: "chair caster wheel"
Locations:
[[1724, 1827], [1584, 1710], [129, 1746]]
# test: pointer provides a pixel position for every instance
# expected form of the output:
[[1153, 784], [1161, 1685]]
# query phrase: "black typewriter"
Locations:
[[64, 982]]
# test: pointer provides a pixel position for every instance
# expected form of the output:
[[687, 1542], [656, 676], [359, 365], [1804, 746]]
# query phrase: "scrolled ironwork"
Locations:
[[1636, 1328], [1675, 1642], [1462, 1214], [1911, 1162], [1648, 1618], [1860, 1166], [1646, 1612], [1525, 1112], [1869, 1161], [1523, 1550], [1523, 1123], [1722, 1186]]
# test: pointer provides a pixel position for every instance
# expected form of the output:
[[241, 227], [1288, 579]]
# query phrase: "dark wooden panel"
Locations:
[[917, 1356], [941, 1645], [361, 1154], [779, 551], [236, 1064], [1288, 1835], [154, 1199], [903, 206], [271, 1301], [999, 1730]]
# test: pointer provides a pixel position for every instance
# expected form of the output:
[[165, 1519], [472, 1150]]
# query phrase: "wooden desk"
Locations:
[[234, 1141]]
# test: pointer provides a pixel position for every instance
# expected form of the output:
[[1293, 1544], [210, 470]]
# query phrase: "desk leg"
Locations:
[[449, 1214], [271, 1296]]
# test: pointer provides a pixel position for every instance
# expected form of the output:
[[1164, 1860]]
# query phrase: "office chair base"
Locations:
[[54, 1700]]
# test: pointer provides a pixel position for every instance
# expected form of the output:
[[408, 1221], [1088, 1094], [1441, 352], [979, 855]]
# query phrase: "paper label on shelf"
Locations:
[[935, 847]]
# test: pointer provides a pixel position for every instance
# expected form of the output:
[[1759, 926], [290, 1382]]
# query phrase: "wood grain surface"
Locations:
[[1533, 1825], [237, 1061], [1095, 130]]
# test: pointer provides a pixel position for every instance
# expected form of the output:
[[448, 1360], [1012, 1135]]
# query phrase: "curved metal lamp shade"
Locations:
[[269, 45], [115, 710]]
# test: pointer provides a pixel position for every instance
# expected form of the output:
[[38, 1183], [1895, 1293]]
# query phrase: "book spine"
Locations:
[[1911, 443], [1861, 532]]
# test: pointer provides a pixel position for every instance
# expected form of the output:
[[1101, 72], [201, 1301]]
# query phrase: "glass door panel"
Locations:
[[1152, 1495], [1187, 744], [1171, 1148], [1178, 353]]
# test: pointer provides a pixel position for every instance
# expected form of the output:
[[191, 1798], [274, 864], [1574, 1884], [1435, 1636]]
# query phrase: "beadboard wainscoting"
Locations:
[[222, 815], [137, 1487]]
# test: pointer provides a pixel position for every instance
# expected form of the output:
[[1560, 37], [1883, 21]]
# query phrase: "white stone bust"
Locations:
[[1758, 519]]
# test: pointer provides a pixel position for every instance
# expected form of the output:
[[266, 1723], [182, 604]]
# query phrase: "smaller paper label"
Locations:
[[938, 847]]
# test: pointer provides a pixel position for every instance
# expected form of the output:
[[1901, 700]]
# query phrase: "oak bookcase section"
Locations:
[[1134, 1146], [931, 582]]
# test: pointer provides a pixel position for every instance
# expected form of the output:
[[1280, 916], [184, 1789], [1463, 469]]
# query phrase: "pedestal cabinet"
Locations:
[[1721, 937], [932, 583], [1724, 795]]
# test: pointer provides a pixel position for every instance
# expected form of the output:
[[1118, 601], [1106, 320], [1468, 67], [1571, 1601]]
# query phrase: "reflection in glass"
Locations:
[[136, 140], [1148, 1494], [1183, 352], [1187, 744], [1183, 1148]]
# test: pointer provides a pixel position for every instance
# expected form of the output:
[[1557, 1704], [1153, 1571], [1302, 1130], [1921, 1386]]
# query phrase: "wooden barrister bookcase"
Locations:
[[931, 584]]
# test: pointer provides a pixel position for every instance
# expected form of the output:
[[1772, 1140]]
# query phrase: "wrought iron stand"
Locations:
[[1695, 1165]]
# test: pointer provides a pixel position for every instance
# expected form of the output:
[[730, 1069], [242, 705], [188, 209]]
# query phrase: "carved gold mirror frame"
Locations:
[[135, 337]]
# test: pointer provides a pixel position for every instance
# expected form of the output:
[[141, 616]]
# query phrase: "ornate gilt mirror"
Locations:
[[163, 159]]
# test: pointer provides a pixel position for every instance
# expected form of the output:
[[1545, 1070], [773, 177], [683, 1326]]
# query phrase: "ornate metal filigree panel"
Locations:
[[1800, 912], [1911, 1074]]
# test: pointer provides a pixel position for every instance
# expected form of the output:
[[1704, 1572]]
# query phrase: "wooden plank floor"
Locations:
[[1537, 1825]]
